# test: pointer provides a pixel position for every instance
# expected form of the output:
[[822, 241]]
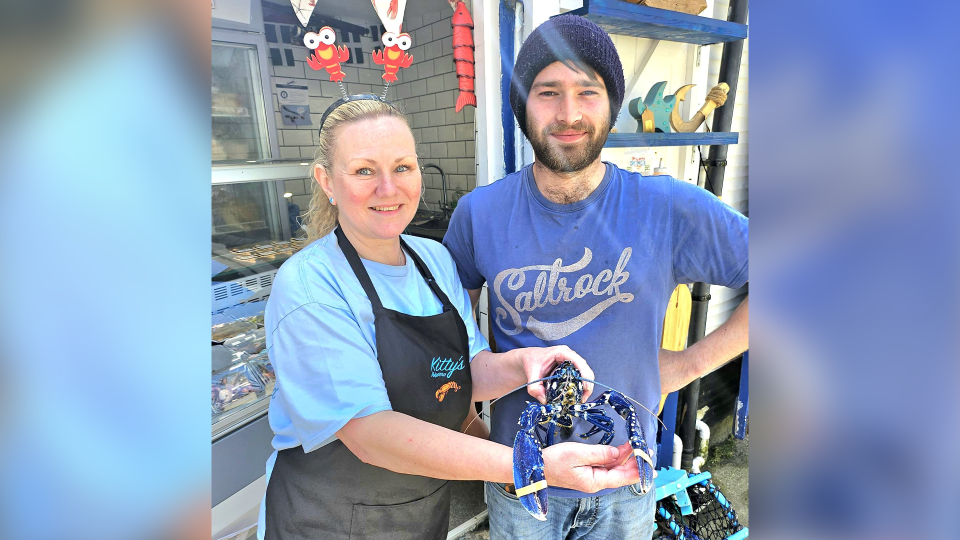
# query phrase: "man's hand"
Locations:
[[589, 467], [538, 362]]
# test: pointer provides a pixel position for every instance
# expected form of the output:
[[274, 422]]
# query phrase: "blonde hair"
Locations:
[[321, 217]]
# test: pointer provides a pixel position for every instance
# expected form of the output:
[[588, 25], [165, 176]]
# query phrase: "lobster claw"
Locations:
[[637, 441], [528, 475], [645, 465]]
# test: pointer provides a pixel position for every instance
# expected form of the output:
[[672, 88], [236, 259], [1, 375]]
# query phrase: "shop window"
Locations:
[[238, 126]]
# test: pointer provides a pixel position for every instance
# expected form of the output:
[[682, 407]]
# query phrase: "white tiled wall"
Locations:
[[426, 91], [300, 141]]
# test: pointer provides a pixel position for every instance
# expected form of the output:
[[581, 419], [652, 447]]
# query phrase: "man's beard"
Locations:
[[573, 158]]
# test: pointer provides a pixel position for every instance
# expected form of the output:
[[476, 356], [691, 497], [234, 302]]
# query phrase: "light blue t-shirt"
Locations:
[[594, 275], [322, 343]]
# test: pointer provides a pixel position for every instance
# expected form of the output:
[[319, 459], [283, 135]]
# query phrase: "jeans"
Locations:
[[624, 513]]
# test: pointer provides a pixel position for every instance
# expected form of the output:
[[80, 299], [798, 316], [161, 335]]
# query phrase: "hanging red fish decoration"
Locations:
[[463, 53]]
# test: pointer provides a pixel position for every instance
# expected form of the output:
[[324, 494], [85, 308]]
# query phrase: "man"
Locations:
[[581, 253]]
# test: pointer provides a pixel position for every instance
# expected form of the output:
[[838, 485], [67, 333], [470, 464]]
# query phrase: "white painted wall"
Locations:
[[736, 177]]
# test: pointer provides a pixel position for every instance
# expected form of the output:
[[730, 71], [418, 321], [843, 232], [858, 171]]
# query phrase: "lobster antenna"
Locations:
[[642, 406], [492, 401], [633, 400]]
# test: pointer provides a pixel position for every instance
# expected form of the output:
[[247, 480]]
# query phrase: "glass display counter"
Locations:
[[256, 226]]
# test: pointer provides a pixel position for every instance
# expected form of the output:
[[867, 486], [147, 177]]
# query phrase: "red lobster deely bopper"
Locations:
[[463, 53]]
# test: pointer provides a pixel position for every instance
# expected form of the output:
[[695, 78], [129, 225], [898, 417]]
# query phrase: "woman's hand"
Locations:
[[589, 467], [538, 362]]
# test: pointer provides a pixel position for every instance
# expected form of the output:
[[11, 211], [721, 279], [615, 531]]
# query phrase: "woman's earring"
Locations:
[[332, 201]]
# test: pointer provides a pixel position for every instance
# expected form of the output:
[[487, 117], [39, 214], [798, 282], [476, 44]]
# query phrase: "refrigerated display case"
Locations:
[[254, 229]]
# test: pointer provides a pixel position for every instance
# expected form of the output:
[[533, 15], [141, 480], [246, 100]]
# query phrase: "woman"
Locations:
[[378, 359]]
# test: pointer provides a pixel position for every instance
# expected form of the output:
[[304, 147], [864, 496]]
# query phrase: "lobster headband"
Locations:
[[355, 97]]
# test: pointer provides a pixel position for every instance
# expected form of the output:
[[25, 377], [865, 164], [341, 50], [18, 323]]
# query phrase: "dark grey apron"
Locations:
[[329, 493]]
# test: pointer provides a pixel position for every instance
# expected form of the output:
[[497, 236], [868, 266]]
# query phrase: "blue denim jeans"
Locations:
[[623, 513]]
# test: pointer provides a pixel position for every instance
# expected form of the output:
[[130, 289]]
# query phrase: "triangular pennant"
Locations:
[[390, 13], [303, 9]]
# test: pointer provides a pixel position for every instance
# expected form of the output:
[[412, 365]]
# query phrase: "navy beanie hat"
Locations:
[[566, 37]]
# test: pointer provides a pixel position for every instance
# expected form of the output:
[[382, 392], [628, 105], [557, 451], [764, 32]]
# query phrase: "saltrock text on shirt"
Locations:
[[551, 287]]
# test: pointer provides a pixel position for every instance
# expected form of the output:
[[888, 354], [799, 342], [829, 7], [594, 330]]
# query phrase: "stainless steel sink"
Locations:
[[429, 224], [432, 228]]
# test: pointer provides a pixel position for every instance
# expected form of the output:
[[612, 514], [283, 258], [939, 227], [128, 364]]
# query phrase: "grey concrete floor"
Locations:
[[729, 464]]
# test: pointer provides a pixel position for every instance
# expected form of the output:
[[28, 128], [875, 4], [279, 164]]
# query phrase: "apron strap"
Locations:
[[351, 254], [425, 272], [354, 259]]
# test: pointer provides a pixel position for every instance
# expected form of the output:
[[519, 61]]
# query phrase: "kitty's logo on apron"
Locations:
[[444, 367], [442, 392]]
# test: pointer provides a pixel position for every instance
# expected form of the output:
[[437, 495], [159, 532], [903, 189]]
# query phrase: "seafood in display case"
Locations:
[[261, 363], [228, 329], [251, 342], [235, 386]]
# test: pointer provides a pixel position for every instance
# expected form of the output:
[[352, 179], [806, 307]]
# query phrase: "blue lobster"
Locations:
[[539, 423]]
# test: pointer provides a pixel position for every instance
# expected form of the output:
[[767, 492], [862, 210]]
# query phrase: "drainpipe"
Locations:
[[716, 163], [677, 449], [703, 448]]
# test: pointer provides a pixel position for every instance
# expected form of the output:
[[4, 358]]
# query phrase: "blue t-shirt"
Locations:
[[322, 343], [595, 275]]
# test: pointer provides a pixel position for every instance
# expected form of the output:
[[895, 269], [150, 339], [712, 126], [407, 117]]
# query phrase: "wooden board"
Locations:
[[676, 322], [623, 18], [693, 7]]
